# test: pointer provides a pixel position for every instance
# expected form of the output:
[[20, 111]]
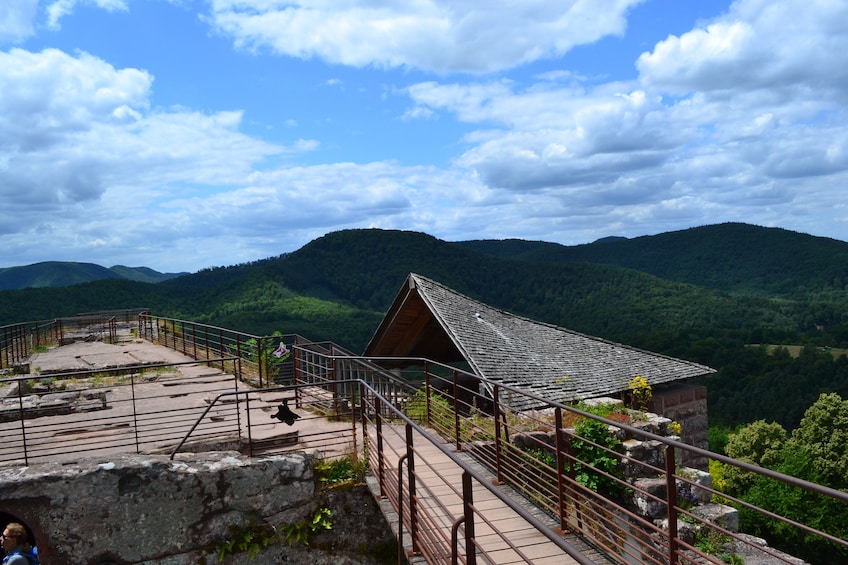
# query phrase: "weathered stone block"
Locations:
[[135, 509]]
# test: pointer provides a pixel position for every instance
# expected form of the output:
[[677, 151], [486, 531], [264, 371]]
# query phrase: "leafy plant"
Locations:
[[300, 532], [253, 538], [716, 543], [343, 470], [599, 455], [441, 410], [271, 357]]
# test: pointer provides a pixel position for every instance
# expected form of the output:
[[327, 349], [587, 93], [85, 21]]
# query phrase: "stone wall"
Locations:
[[687, 405], [150, 509]]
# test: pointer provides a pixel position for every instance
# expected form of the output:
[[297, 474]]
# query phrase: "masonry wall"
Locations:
[[687, 405], [149, 509]]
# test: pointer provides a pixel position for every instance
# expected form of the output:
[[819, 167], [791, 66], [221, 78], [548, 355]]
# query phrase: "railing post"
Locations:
[[427, 395], [560, 463], [135, 413], [260, 358], [381, 463], [194, 341], [238, 347], [23, 425], [352, 407], [334, 370], [206, 339], [413, 504], [221, 348], [671, 499], [456, 412], [496, 409], [298, 371], [468, 511], [364, 417], [572, 474], [401, 558]]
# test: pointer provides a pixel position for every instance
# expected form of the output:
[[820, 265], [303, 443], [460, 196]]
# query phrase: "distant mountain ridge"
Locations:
[[730, 257], [49, 274]]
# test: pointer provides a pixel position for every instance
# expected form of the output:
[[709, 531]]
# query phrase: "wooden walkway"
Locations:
[[502, 535]]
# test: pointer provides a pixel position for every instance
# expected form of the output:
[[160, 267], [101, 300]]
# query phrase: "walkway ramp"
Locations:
[[502, 534]]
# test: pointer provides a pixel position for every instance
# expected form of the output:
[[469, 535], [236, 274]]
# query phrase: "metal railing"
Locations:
[[203, 341], [435, 501], [18, 341], [628, 496], [137, 409]]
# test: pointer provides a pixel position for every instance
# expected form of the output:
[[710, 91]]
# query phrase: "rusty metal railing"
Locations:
[[431, 488], [204, 341], [138, 409], [643, 508], [18, 341]]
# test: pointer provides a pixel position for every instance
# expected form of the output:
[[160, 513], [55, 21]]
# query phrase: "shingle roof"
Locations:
[[555, 363]]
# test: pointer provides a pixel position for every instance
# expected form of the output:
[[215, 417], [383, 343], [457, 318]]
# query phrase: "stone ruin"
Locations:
[[153, 510]]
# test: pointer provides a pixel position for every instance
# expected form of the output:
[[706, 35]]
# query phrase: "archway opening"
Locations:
[[7, 518]]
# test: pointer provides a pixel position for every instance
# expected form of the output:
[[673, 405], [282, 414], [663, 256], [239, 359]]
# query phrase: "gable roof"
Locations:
[[430, 320]]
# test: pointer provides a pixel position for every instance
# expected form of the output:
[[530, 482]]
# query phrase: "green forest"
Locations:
[[716, 294]]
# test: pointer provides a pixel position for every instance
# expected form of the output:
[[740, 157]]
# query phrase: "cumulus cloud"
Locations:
[[73, 129], [434, 35], [723, 122], [757, 45]]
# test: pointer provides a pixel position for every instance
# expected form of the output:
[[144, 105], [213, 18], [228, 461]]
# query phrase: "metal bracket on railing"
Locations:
[[455, 540]]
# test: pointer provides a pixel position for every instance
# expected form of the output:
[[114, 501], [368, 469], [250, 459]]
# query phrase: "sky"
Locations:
[[186, 134]]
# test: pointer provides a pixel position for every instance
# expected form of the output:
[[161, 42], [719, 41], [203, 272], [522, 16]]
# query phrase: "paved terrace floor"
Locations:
[[193, 387], [86, 356]]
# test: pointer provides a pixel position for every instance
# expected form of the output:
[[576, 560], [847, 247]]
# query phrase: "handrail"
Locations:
[[199, 341], [639, 432], [411, 425], [211, 405], [569, 498], [486, 483]]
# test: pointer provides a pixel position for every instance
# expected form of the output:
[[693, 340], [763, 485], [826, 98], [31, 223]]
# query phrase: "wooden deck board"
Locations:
[[439, 499]]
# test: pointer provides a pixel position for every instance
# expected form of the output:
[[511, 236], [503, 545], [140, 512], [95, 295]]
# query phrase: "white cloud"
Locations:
[[727, 122], [435, 35], [76, 134], [16, 19], [759, 44], [58, 9]]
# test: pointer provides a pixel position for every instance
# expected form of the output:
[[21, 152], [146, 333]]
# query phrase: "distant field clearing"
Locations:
[[795, 350]]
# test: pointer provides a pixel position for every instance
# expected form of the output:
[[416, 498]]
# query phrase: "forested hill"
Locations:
[[68, 273], [338, 287], [732, 257], [366, 268]]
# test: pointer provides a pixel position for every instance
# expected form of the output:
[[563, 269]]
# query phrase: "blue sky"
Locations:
[[184, 134]]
